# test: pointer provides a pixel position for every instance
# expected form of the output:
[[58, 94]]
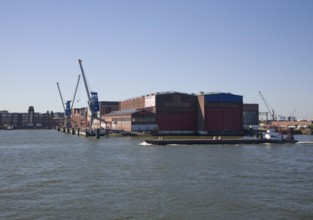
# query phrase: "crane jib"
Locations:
[[93, 101]]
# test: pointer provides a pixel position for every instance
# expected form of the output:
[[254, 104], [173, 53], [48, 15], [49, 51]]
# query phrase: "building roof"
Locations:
[[171, 92], [123, 112], [109, 102], [223, 97]]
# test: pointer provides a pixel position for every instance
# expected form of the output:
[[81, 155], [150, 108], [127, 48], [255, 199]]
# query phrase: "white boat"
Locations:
[[8, 127], [272, 134]]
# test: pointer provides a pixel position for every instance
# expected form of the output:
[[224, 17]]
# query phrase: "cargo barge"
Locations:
[[212, 141], [200, 141], [270, 136]]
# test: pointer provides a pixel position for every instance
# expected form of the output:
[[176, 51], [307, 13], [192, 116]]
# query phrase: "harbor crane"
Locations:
[[67, 106], [291, 116], [93, 101], [269, 109]]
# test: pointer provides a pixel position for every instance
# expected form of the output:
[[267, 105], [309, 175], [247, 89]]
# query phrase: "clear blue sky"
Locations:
[[131, 48]]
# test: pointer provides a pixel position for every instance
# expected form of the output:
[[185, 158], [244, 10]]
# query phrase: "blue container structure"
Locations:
[[223, 98], [68, 108], [94, 103]]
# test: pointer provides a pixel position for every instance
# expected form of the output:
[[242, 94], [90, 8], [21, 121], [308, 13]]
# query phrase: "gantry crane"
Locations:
[[93, 101], [68, 107], [269, 109]]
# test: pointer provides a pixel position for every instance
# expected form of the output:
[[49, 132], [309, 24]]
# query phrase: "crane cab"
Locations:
[[94, 102]]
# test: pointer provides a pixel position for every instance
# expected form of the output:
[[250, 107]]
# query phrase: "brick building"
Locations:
[[182, 113], [30, 119]]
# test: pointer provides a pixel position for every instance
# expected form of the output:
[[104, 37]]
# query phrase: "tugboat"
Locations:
[[272, 136]]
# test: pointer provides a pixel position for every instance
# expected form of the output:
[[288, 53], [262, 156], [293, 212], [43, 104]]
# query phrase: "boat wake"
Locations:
[[305, 142], [143, 143]]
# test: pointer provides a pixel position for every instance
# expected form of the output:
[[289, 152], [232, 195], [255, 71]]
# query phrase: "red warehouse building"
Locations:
[[176, 113], [220, 114]]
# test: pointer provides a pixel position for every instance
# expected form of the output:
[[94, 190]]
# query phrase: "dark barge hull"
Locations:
[[212, 141]]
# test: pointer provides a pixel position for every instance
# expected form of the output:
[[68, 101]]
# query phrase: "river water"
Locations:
[[47, 174]]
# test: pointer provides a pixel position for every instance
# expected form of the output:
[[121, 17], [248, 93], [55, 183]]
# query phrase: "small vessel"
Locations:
[[8, 127], [272, 136]]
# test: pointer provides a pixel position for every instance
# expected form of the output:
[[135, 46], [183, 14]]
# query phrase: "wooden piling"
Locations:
[[98, 133]]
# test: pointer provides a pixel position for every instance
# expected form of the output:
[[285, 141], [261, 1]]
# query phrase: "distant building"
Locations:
[[79, 117], [220, 114], [292, 124], [131, 120], [25, 120], [250, 115], [167, 112], [107, 107], [57, 120], [5, 118], [182, 113], [31, 113], [175, 112]]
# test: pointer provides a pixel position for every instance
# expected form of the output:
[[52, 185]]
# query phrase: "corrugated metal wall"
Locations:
[[218, 113], [177, 121], [176, 112], [226, 119], [250, 114], [175, 102]]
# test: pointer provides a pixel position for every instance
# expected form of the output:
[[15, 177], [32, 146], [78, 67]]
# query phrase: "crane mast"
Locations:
[[93, 101], [269, 109], [75, 92], [84, 78], [61, 96], [291, 116], [68, 107]]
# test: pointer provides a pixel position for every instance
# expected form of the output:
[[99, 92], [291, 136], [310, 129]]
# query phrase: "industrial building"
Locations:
[[182, 113], [131, 120], [79, 118], [171, 113], [220, 114], [107, 107], [251, 115], [175, 112], [165, 113], [30, 119]]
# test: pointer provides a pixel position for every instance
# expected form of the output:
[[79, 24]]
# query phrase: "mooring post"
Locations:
[[98, 133], [86, 132]]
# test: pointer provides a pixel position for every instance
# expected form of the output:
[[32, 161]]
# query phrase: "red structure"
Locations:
[[176, 113], [182, 113], [220, 114]]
